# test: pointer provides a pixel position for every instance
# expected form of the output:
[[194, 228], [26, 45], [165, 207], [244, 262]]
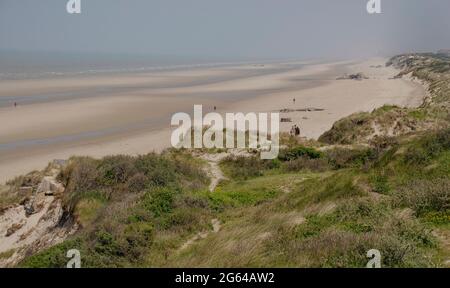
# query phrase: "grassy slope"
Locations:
[[332, 219], [390, 200]]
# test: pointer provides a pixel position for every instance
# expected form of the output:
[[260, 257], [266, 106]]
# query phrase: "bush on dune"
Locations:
[[349, 158], [428, 147], [347, 130], [139, 198], [343, 237], [306, 164], [242, 167], [425, 196], [298, 152]]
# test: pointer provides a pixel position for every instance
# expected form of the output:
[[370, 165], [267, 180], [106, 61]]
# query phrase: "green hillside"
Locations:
[[376, 180]]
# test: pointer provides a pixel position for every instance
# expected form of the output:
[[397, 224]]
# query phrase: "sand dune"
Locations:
[[130, 113]]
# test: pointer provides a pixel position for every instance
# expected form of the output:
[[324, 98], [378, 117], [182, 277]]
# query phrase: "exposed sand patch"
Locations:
[[202, 235]]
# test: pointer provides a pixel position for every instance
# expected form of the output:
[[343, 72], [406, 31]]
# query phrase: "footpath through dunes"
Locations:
[[130, 113]]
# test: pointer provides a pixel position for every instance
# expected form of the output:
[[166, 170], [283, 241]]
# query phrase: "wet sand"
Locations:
[[130, 113]]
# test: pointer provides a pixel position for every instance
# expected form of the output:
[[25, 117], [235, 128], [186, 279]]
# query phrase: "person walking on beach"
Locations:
[[297, 130], [15, 104], [293, 100]]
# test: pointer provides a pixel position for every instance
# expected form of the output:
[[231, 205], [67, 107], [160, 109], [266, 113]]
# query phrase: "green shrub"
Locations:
[[425, 196], [337, 186], [159, 201], [313, 226], [158, 169], [138, 237], [81, 174], [137, 183], [241, 167], [306, 163], [53, 257], [428, 148], [348, 130], [380, 183], [106, 244], [349, 158], [297, 152], [438, 217], [343, 237]]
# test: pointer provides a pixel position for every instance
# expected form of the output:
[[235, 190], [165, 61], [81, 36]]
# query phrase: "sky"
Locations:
[[227, 28]]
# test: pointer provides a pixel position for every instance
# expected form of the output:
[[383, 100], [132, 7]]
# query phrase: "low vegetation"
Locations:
[[370, 197], [378, 180], [129, 207]]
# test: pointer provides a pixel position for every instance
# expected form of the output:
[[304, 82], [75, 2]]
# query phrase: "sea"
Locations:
[[30, 65]]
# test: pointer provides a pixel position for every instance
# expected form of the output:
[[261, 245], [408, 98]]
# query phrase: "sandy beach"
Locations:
[[131, 113]]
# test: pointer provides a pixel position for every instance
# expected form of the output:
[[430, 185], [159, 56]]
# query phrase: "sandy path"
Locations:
[[215, 173], [216, 225]]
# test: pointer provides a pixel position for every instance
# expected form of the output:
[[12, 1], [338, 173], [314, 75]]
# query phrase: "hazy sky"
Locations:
[[231, 28]]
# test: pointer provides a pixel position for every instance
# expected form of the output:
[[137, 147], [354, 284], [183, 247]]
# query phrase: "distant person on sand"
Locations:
[[15, 104], [297, 130], [215, 108], [293, 100]]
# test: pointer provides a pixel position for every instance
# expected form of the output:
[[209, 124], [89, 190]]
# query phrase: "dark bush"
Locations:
[[115, 170], [137, 183], [305, 163], [428, 148], [241, 167], [347, 130], [379, 144], [425, 195], [106, 244], [380, 183], [349, 158], [158, 169], [80, 175], [297, 152], [54, 257], [159, 201]]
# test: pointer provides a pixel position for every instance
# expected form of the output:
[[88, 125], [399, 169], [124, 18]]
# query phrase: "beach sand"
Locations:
[[130, 113]]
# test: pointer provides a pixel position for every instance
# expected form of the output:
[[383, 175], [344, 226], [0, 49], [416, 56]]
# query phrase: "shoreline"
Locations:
[[243, 88]]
